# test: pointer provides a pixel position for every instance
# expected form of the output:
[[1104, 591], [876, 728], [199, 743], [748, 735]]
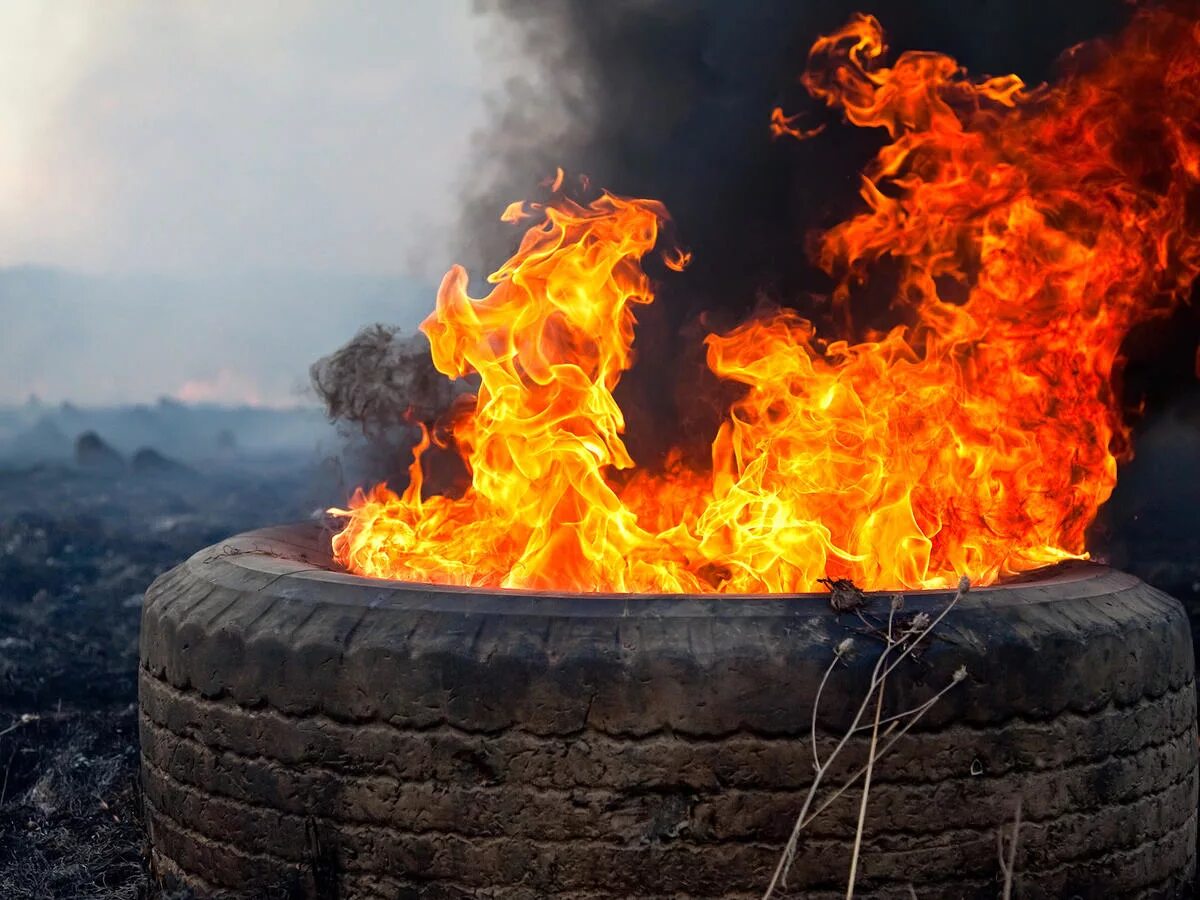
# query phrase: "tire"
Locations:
[[311, 731]]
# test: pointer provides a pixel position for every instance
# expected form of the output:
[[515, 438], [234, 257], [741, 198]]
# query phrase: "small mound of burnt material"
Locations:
[[379, 388], [382, 379], [94, 453], [148, 461]]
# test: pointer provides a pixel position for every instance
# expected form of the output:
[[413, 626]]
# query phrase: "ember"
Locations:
[[1032, 228]]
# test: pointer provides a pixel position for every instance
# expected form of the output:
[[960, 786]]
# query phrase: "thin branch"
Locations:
[[25, 719], [7, 767], [1009, 867], [816, 704], [862, 808], [907, 641], [920, 711], [789, 852], [963, 586]]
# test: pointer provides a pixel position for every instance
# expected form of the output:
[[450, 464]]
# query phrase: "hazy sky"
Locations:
[[179, 136], [193, 141]]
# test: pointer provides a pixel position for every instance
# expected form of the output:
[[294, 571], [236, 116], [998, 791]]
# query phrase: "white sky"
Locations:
[[196, 159], [177, 136]]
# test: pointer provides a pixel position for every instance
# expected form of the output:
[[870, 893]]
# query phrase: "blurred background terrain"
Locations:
[[95, 504]]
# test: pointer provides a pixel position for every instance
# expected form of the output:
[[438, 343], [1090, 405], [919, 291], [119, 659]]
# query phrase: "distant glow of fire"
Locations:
[[978, 439]]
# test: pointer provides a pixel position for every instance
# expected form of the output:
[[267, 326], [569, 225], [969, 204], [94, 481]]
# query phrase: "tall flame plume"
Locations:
[[1032, 229]]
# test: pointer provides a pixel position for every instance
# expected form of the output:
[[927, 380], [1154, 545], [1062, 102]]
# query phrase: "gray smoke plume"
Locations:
[[383, 379], [378, 389]]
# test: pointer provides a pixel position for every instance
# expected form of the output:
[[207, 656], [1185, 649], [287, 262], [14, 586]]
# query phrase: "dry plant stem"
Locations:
[[915, 639], [896, 717], [917, 712], [1009, 866], [785, 859], [25, 719], [7, 768], [862, 808], [816, 705], [779, 876]]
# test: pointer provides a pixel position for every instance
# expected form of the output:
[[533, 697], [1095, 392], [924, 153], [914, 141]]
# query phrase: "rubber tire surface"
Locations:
[[359, 738]]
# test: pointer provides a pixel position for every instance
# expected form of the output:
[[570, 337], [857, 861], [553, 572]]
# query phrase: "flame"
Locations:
[[785, 126], [677, 259], [1032, 229]]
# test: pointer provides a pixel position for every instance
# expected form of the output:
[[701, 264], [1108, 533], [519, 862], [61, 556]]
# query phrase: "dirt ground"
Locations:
[[77, 549]]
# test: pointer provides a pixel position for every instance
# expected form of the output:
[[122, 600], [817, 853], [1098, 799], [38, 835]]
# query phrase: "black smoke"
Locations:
[[670, 99]]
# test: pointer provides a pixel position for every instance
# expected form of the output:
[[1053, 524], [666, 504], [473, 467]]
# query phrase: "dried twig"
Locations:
[[7, 769], [916, 630], [862, 807], [837, 655], [24, 719], [1008, 861], [916, 712]]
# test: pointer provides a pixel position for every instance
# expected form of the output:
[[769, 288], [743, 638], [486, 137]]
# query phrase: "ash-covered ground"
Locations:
[[80, 540]]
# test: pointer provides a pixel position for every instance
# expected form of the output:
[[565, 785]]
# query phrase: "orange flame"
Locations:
[[1033, 229], [785, 126], [677, 259]]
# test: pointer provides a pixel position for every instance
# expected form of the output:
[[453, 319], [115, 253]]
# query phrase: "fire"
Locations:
[[1032, 229]]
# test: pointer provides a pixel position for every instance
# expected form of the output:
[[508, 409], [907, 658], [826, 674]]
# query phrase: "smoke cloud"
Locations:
[[670, 99]]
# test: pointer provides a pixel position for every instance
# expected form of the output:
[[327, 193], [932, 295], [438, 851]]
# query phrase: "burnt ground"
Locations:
[[77, 549]]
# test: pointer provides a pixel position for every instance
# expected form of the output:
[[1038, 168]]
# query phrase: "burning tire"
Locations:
[[363, 738]]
